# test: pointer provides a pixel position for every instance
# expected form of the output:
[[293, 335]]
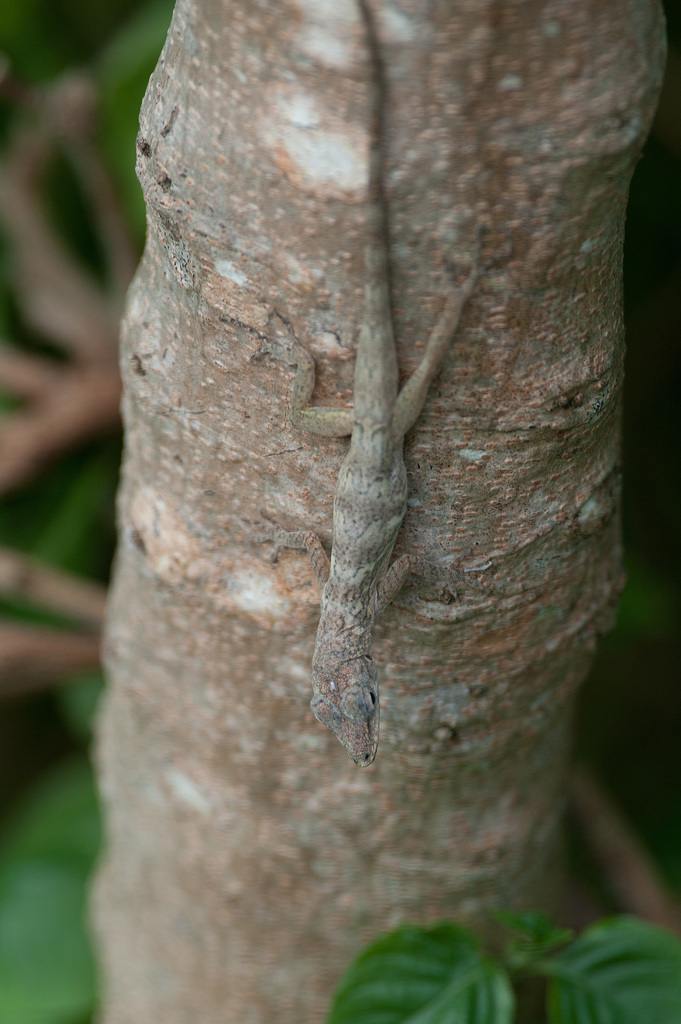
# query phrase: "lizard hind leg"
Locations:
[[327, 421], [413, 394], [450, 575]]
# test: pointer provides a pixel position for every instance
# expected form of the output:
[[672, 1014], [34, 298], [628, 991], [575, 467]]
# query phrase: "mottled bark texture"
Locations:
[[248, 859]]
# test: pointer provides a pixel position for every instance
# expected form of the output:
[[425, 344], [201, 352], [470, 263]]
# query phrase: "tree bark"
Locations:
[[248, 859]]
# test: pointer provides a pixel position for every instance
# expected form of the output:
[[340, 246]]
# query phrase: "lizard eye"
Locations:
[[359, 703]]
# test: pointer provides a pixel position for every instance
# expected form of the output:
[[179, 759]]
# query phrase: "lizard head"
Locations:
[[346, 701]]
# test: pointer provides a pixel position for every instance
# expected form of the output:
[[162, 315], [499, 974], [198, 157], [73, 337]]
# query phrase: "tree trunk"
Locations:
[[248, 859]]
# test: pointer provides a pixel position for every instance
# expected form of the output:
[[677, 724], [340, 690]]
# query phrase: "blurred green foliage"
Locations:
[[118, 41], [47, 973], [65, 517], [122, 69], [630, 712], [50, 833], [619, 971]]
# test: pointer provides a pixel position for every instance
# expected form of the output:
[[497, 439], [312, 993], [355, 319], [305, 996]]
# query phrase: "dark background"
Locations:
[[629, 720]]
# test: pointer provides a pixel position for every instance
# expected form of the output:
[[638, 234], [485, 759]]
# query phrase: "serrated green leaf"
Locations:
[[619, 971], [424, 976]]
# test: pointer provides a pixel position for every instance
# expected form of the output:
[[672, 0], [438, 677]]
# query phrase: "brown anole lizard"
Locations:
[[371, 495]]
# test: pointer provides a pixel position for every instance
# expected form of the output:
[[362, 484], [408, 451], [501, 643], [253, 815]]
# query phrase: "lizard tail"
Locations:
[[376, 366], [377, 219]]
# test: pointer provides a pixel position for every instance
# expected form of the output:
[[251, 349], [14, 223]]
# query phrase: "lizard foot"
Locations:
[[277, 535], [285, 347], [299, 540], [451, 575]]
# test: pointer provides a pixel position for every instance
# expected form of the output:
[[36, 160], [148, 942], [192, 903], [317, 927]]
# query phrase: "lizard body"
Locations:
[[371, 494]]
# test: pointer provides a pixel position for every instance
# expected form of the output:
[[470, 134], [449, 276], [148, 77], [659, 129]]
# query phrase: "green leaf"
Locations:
[[78, 702], [123, 71], [136, 45], [537, 936], [65, 539], [59, 821], [537, 927], [649, 605], [46, 968], [619, 971], [423, 976]]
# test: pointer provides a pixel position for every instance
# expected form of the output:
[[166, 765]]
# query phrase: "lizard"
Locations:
[[370, 501]]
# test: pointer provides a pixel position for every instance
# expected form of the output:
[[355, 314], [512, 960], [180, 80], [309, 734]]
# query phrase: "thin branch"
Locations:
[[57, 297], [628, 867], [83, 404], [80, 599], [32, 659], [68, 109], [65, 404], [26, 376]]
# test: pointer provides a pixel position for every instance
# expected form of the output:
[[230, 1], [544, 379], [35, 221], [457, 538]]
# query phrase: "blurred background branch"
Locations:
[[72, 76]]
